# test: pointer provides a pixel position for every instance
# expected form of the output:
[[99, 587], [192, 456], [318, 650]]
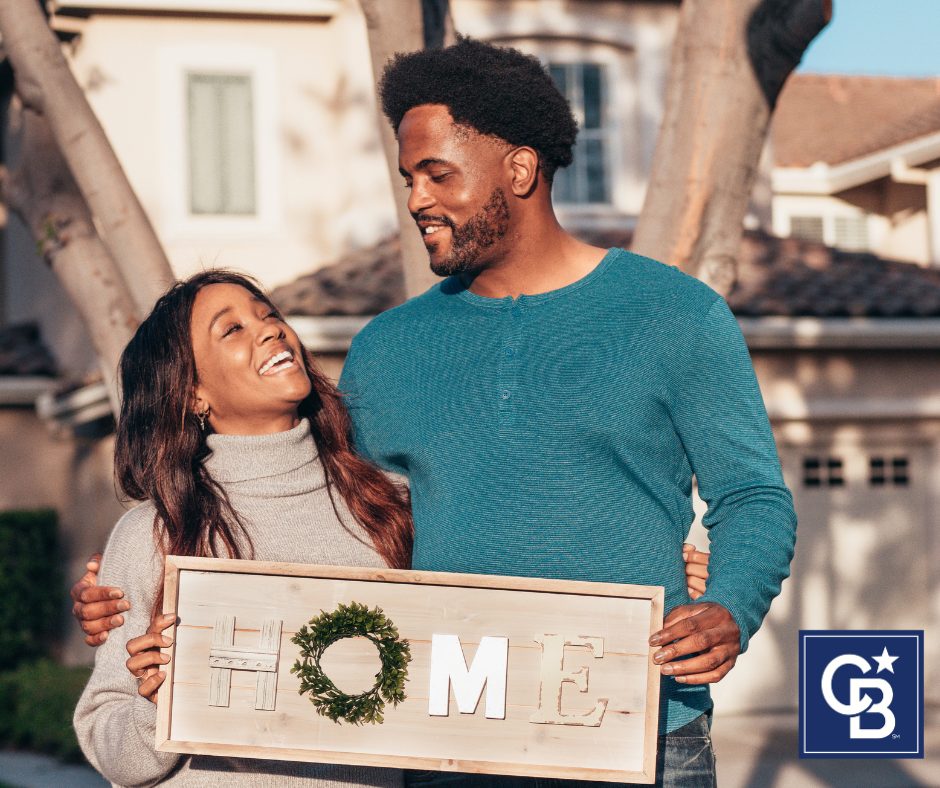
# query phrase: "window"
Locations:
[[818, 472], [883, 471], [809, 228], [845, 232], [852, 233], [221, 144], [586, 180]]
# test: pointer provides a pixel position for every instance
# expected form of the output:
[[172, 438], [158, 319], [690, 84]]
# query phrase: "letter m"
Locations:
[[449, 668]]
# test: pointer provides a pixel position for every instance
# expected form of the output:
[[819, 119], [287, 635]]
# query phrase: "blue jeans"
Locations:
[[685, 759]]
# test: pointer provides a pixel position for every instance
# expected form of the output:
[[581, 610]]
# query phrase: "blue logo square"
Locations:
[[862, 694]]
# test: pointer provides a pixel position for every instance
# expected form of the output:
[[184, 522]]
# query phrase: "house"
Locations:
[[250, 133], [856, 164]]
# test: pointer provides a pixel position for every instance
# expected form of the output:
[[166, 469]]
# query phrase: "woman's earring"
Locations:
[[201, 418]]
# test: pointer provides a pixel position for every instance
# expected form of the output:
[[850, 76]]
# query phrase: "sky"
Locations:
[[890, 37]]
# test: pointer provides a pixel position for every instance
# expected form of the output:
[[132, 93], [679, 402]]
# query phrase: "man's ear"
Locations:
[[525, 171]]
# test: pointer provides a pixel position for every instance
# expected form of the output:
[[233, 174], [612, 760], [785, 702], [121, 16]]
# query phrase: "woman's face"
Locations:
[[249, 364]]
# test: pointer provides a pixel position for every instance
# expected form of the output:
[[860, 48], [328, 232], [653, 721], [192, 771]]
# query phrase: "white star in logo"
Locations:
[[885, 661]]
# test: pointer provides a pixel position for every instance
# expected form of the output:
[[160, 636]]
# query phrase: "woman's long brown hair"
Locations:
[[160, 448]]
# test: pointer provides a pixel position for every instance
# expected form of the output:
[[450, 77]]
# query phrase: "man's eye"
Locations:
[[440, 178], [407, 183]]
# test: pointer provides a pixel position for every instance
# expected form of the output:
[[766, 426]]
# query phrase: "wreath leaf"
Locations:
[[352, 620]]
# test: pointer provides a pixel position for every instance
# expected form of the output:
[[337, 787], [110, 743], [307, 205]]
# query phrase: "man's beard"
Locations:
[[470, 240]]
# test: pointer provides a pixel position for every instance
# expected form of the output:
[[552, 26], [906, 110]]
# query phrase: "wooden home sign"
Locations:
[[492, 675]]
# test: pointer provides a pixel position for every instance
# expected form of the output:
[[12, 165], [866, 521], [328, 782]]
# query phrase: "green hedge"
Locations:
[[37, 695], [30, 585], [37, 701]]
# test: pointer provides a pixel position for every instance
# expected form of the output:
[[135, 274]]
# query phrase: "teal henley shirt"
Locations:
[[556, 435]]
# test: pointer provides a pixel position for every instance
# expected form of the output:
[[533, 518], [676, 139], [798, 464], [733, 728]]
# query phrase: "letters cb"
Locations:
[[862, 694]]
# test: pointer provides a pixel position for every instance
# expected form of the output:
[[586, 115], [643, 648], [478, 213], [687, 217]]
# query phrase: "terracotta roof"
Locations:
[[364, 282], [23, 353], [777, 276], [836, 118], [791, 277]]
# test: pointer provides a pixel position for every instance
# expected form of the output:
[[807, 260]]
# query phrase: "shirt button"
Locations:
[[504, 394], [509, 352]]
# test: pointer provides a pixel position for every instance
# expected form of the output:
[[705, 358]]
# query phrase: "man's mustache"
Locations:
[[426, 217]]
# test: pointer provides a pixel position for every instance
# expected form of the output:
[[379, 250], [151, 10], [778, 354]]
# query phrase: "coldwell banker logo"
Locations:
[[862, 694]]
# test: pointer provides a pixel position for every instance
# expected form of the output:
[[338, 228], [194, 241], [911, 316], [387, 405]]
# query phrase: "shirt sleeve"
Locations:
[[116, 727], [370, 424], [720, 417]]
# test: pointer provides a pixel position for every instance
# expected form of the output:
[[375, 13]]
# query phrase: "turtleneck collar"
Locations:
[[242, 458]]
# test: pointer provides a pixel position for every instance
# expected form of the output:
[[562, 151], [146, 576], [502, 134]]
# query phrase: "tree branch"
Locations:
[[778, 33]]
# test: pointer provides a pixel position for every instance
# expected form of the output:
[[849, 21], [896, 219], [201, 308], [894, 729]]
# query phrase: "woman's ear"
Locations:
[[199, 402], [525, 170]]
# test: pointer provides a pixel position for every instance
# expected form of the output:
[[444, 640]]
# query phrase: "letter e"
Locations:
[[554, 676]]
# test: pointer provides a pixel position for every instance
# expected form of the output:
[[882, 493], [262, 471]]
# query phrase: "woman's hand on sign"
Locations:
[[696, 570], [97, 608], [146, 659]]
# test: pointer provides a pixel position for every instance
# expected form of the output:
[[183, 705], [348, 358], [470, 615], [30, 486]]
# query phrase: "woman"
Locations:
[[239, 448]]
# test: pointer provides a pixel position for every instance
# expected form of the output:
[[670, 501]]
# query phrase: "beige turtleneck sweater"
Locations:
[[277, 485]]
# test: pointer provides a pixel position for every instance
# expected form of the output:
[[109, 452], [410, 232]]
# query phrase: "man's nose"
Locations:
[[419, 200]]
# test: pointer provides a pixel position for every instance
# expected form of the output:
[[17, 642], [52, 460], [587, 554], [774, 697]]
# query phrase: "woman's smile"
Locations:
[[237, 339]]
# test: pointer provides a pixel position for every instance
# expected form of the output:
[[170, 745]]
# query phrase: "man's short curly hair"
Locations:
[[494, 90]]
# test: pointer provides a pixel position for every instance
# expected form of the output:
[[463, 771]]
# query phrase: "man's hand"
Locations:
[[705, 629], [696, 570], [97, 608], [146, 659]]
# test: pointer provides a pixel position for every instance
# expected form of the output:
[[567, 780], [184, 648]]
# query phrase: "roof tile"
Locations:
[[836, 118], [776, 276], [23, 353]]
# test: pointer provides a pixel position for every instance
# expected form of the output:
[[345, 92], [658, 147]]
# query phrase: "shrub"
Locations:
[[30, 585], [38, 699]]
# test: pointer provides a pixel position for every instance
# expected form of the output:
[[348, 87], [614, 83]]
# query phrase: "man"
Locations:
[[550, 401]]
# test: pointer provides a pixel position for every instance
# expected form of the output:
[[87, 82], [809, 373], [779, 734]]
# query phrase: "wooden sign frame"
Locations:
[[207, 593]]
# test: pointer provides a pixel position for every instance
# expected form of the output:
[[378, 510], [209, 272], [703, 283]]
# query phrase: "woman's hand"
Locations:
[[696, 570], [146, 659]]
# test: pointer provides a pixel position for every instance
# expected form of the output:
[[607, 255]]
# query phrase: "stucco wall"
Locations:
[[897, 225], [866, 555], [322, 182], [321, 179], [72, 476], [633, 40]]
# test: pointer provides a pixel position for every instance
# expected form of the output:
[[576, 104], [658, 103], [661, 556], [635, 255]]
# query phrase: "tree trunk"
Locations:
[[397, 26], [45, 84], [40, 188], [729, 63]]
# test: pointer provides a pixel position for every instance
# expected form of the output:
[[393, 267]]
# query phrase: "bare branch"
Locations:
[[44, 81]]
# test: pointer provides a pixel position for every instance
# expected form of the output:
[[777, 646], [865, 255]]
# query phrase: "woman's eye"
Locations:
[[231, 329], [273, 313]]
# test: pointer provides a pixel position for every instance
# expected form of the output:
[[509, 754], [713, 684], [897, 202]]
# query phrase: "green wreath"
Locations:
[[352, 620]]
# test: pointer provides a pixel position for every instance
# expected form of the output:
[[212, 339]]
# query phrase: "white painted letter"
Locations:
[[448, 667], [554, 677]]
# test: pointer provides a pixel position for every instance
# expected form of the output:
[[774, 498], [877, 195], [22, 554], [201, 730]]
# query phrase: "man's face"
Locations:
[[457, 195]]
